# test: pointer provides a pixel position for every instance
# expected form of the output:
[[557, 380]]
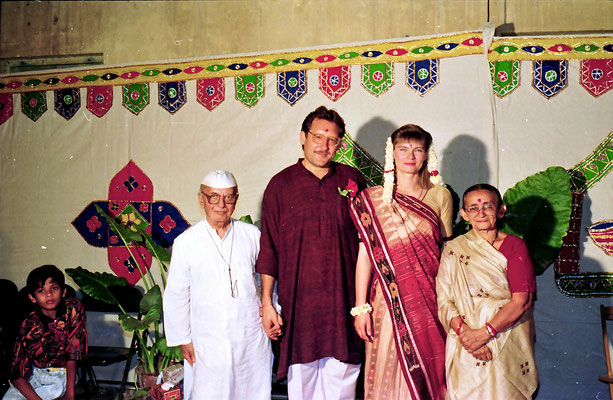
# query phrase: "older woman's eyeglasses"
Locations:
[[487, 209], [318, 138], [214, 198]]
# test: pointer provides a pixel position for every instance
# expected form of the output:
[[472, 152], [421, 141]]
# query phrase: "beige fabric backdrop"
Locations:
[[52, 168]]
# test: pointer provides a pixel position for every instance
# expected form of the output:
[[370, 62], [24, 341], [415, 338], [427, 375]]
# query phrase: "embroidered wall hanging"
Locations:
[[6, 107], [130, 198], [291, 85], [99, 100], [422, 75], [210, 92], [67, 102], [172, 95], [335, 82], [249, 89], [136, 97]]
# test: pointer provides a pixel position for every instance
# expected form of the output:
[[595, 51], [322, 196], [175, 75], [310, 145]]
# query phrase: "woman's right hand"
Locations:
[[363, 326]]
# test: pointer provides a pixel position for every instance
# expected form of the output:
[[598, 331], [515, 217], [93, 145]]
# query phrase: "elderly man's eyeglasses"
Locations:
[[214, 198], [487, 209], [318, 138]]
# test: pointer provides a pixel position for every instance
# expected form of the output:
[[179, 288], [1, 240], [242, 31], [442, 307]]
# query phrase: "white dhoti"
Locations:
[[323, 379]]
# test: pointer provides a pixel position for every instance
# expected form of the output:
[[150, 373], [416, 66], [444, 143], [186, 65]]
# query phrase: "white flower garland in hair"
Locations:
[[388, 175], [435, 176]]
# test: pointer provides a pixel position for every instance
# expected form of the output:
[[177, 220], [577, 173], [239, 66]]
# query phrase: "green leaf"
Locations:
[[150, 308], [96, 284], [246, 218], [130, 323], [155, 249], [168, 351], [140, 393], [151, 303], [116, 226], [538, 210]]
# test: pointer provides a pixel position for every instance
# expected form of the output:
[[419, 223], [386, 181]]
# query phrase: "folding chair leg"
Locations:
[[126, 369]]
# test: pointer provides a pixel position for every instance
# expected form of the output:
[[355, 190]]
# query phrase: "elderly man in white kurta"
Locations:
[[211, 302]]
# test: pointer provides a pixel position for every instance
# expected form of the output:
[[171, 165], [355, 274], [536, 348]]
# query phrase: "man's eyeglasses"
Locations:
[[318, 138], [214, 198], [487, 209]]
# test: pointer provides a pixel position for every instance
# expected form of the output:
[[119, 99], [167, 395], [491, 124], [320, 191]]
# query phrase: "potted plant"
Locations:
[[155, 355]]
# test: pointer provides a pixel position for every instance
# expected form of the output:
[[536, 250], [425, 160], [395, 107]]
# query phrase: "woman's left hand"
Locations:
[[483, 354], [473, 339]]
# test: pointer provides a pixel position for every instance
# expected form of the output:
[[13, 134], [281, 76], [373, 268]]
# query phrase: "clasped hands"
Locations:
[[272, 321], [475, 341]]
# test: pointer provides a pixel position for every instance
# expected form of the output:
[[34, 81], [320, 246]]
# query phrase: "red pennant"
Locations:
[[6, 107], [210, 92], [597, 76], [335, 81], [99, 100]]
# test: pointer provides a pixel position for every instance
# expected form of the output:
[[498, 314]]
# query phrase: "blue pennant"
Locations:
[[422, 75], [67, 102], [172, 95], [291, 85], [550, 77]]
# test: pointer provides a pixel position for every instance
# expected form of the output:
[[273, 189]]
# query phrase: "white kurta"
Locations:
[[233, 353]]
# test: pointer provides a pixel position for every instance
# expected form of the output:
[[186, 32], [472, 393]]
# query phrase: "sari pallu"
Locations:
[[402, 240], [472, 282]]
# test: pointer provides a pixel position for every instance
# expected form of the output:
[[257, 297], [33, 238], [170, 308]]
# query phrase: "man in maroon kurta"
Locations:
[[309, 245]]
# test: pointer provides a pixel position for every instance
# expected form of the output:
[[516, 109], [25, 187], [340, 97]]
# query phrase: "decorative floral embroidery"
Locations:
[[128, 263], [130, 184], [393, 290], [144, 207], [130, 220], [93, 223], [365, 218], [378, 253], [167, 224], [525, 368]]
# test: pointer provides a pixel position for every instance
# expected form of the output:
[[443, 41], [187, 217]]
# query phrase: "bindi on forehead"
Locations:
[[479, 200]]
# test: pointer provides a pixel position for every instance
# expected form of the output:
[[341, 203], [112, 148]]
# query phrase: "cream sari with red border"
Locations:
[[472, 282]]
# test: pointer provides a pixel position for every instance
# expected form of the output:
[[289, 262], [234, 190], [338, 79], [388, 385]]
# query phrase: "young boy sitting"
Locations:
[[50, 341]]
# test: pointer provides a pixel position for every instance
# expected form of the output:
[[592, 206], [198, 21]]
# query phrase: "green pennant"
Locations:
[[505, 76], [378, 78], [33, 104], [249, 89], [350, 153], [594, 167], [136, 97]]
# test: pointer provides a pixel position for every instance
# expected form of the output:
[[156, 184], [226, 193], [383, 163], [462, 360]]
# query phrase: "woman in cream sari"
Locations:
[[401, 226], [485, 287]]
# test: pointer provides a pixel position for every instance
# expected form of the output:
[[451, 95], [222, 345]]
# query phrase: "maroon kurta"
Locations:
[[309, 244]]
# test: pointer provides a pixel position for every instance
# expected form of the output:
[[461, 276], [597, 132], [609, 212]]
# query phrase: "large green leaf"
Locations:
[[96, 284], [168, 351], [538, 210], [150, 308]]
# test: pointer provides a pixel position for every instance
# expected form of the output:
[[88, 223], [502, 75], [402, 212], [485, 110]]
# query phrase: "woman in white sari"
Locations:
[[485, 287]]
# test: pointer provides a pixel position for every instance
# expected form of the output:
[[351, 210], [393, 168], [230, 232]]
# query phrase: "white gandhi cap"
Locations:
[[219, 179]]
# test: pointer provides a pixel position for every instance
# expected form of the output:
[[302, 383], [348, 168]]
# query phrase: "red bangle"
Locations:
[[460, 327], [490, 329]]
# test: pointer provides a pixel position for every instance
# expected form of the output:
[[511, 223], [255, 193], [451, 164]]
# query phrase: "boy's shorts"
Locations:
[[48, 383]]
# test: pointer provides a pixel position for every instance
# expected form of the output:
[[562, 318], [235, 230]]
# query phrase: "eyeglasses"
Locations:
[[214, 198], [318, 138], [487, 209]]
